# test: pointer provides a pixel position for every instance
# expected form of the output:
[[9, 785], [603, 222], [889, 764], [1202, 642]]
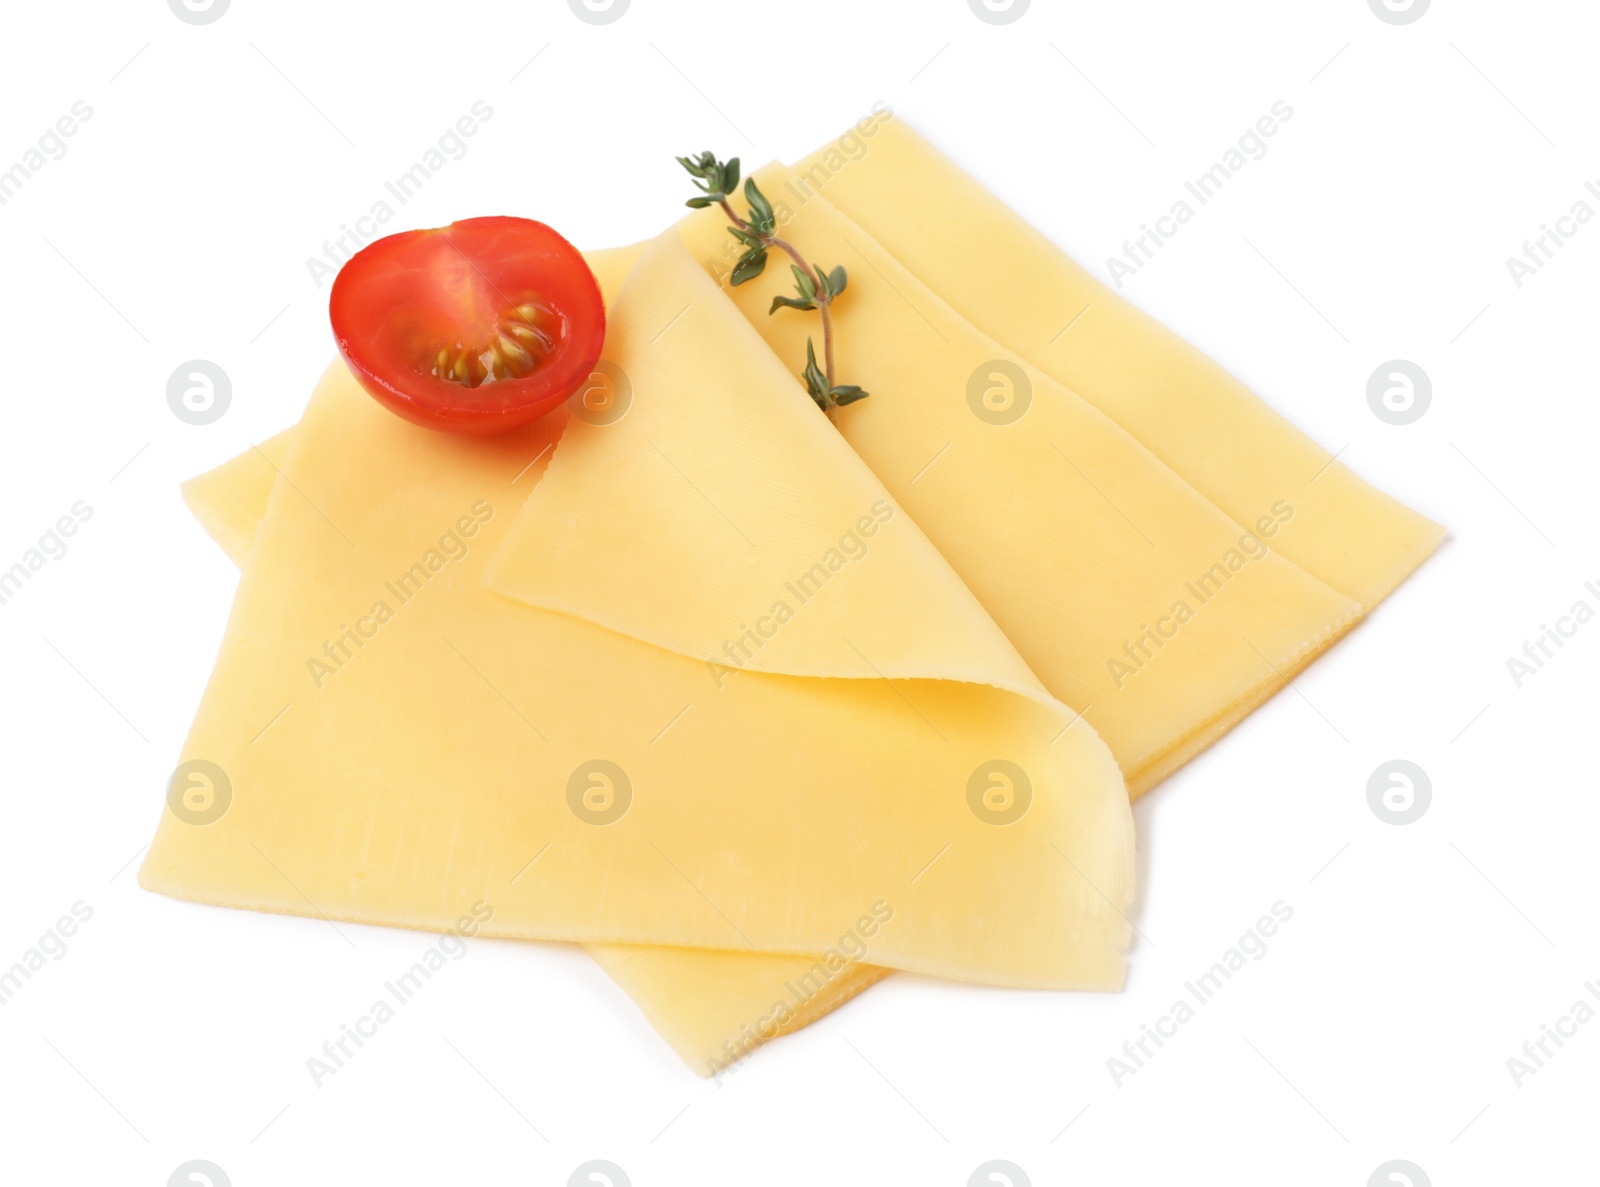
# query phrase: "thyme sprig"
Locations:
[[816, 288]]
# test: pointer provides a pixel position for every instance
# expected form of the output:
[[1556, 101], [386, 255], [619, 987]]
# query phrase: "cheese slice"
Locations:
[[445, 759], [715, 1008], [1151, 383], [1130, 594], [712, 1008], [721, 518], [1218, 707], [1022, 290], [231, 501]]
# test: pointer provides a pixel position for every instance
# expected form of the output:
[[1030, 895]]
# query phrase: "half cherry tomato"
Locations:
[[474, 328]]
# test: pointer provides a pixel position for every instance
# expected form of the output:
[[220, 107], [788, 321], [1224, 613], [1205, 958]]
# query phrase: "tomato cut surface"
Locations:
[[474, 328]]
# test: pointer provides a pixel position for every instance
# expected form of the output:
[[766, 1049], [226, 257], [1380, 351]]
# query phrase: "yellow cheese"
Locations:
[[611, 266], [1152, 384], [721, 518], [1130, 594], [231, 501], [1024, 291], [714, 1008], [711, 1007], [435, 766], [661, 978]]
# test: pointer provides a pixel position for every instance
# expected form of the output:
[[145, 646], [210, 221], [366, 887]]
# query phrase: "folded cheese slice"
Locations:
[[1022, 290], [658, 976], [1129, 593], [712, 1008], [718, 516], [1151, 383], [453, 746]]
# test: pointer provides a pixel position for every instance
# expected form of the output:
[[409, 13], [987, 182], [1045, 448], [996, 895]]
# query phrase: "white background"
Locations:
[[178, 225]]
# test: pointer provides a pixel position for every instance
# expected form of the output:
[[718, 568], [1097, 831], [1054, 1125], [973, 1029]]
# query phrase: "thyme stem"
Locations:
[[757, 231], [824, 298]]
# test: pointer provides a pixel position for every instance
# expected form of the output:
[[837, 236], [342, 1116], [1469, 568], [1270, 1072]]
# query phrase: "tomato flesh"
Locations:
[[475, 328]]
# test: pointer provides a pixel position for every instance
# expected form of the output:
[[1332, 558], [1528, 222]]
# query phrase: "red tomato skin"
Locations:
[[397, 277]]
